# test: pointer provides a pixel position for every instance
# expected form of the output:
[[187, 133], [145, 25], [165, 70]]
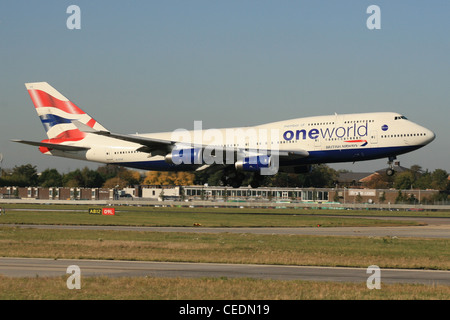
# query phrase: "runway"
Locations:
[[436, 230], [38, 267], [22, 267]]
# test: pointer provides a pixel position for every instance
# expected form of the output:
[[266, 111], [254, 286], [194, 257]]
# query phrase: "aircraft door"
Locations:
[[317, 143], [108, 154], [373, 137]]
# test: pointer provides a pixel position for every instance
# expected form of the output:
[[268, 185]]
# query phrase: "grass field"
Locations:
[[226, 248], [147, 288], [222, 247], [207, 217]]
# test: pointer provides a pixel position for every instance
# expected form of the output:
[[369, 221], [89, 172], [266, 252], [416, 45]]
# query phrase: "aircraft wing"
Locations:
[[55, 146], [152, 144], [148, 144]]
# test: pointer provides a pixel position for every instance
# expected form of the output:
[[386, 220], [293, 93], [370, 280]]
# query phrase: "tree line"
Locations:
[[110, 176]]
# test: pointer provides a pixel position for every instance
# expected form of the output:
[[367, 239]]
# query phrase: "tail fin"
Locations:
[[57, 113]]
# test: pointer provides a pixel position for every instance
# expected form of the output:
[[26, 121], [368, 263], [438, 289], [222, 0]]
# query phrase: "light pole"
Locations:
[[344, 194], [1, 160]]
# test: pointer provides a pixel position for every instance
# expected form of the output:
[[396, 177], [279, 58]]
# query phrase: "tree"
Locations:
[[85, 178], [404, 180], [109, 171], [91, 178], [400, 197], [152, 177], [184, 178], [321, 176], [22, 176], [115, 182], [439, 180], [169, 178], [382, 197], [423, 181], [359, 198], [416, 170], [73, 179], [281, 179], [50, 178], [131, 176], [377, 181]]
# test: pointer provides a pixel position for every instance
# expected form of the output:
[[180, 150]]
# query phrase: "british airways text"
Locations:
[[327, 133]]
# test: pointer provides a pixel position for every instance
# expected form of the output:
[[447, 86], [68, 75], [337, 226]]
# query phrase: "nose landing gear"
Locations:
[[390, 171]]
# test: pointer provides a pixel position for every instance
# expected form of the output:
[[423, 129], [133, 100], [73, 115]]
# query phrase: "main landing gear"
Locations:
[[232, 178], [257, 180], [390, 171]]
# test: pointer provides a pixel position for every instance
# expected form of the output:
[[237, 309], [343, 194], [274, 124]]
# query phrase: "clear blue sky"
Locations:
[[149, 66]]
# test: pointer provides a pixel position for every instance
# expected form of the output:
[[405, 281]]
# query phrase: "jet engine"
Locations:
[[253, 164], [185, 156]]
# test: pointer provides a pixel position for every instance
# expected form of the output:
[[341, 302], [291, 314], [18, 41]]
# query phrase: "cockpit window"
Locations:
[[400, 117]]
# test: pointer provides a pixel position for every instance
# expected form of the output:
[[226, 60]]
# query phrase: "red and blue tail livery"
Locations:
[[289, 146], [57, 113]]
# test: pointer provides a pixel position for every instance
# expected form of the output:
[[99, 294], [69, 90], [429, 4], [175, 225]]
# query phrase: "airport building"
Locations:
[[59, 193], [219, 193]]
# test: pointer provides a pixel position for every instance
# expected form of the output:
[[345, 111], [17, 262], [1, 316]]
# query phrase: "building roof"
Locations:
[[352, 177], [361, 177], [397, 167]]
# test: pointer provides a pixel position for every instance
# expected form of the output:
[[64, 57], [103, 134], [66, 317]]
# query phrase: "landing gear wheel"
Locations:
[[254, 184], [233, 179], [390, 172], [256, 181], [235, 183]]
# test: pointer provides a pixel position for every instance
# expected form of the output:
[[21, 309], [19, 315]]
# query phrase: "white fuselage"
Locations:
[[327, 139]]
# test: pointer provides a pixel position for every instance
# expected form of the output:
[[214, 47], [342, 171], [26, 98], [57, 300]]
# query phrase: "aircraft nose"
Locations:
[[429, 136]]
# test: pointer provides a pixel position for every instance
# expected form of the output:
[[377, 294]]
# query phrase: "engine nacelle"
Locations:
[[185, 156], [253, 164]]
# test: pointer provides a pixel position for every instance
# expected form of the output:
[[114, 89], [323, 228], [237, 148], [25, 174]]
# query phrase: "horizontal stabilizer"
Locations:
[[55, 146]]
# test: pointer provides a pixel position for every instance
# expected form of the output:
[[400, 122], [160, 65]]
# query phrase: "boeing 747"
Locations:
[[289, 146]]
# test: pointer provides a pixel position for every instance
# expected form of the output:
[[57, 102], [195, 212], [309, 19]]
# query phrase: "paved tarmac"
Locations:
[[436, 228], [33, 267]]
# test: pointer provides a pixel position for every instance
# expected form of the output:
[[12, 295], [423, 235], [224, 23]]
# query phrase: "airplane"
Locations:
[[287, 146]]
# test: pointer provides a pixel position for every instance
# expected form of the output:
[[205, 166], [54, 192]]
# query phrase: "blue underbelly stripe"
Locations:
[[315, 157]]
